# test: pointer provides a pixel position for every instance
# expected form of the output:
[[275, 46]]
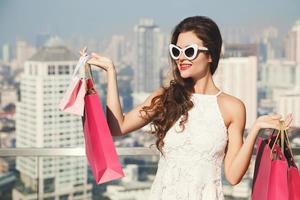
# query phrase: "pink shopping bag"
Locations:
[[294, 183], [262, 170], [278, 180], [276, 175], [73, 100], [99, 145]]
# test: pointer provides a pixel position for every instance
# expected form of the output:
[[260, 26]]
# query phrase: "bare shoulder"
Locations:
[[230, 101], [231, 107]]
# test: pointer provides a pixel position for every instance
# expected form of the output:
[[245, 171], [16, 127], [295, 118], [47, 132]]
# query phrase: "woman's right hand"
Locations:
[[99, 61]]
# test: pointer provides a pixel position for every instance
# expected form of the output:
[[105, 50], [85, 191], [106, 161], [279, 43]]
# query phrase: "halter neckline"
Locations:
[[208, 95]]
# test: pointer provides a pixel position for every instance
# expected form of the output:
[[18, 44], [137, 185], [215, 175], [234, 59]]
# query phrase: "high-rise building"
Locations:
[[40, 124], [147, 56], [278, 74], [292, 43], [290, 103], [270, 45], [234, 35], [277, 78], [237, 76], [116, 49], [240, 50], [6, 53], [23, 52]]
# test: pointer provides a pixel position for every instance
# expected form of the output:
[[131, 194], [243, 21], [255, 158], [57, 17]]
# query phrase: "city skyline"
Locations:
[[260, 67], [27, 19]]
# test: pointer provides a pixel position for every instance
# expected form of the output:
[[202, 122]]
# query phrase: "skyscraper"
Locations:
[[23, 52], [116, 49], [290, 103], [39, 124], [292, 43], [147, 56], [6, 53]]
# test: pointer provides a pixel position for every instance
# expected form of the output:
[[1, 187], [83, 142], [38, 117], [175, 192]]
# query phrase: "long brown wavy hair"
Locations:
[[175, 99]]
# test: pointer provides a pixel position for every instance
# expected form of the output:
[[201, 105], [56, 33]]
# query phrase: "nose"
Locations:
[[181, 56]]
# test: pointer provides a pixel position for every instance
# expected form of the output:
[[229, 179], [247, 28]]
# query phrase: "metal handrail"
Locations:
[[121, 151]]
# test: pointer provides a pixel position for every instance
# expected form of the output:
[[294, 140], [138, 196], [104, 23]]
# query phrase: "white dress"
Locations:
[[191, 168]]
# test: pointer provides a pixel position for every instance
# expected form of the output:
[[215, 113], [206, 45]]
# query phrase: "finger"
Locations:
[[102, 59], [101, 64], [288, 120], [83, 50], [276, 116], [271, 125], [96, 55], [288, 117]]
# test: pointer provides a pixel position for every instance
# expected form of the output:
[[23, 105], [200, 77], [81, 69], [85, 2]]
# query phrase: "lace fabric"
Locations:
[[191, 167]]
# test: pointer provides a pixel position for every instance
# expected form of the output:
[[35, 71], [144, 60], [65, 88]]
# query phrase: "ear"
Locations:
[[209, 58]]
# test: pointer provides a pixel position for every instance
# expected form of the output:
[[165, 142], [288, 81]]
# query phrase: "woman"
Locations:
[[196, 124]]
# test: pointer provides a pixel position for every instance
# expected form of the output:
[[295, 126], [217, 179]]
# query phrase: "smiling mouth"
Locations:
[[184, 66]]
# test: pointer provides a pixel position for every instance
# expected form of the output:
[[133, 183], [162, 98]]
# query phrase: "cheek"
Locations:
[[203, 56], [201, 60]]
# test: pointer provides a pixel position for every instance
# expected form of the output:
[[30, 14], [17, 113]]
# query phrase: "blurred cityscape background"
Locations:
[[40, 41]]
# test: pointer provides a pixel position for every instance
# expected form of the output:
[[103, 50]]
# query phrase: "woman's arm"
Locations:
[[239, 152], [118, 123]]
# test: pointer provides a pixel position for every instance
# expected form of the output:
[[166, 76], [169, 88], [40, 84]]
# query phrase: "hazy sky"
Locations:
[[100, 19]]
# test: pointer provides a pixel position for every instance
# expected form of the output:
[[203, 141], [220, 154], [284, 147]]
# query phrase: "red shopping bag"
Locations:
[[276, 175], [73, 100], [99, 145]]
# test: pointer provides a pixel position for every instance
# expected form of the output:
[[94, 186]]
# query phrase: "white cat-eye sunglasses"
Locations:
[[190, 52]]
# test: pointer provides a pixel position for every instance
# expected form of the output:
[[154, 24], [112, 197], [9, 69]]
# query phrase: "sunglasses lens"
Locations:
[[189, 52], [175, 52]]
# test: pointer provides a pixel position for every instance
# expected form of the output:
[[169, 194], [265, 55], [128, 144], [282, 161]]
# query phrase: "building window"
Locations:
[[60, 69], [79, 193], [67, 69], [64, 197], [51, 70], [63, 69]]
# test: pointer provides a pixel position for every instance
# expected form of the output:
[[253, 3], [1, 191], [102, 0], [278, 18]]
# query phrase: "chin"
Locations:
[[183, 75]]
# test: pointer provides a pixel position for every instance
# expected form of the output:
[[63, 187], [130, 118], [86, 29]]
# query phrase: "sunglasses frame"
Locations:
[[194, 46]]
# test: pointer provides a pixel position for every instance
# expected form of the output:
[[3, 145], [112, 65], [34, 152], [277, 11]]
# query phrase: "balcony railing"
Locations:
[[80, 152], [53, 152]]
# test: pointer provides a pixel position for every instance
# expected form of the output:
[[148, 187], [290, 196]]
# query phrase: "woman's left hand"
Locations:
[[272, 121]]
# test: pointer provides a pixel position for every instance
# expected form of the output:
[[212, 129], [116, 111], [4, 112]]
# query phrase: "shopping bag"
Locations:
[[99, 145], [294, 183], [276, 175], [73, 99]]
